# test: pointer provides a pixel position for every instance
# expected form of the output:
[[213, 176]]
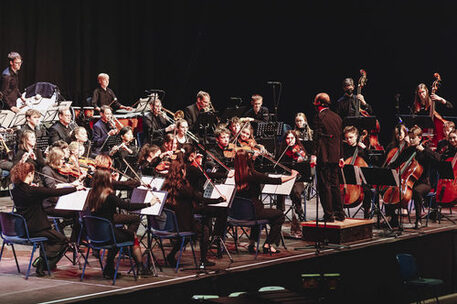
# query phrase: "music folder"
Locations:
[[156, 198], [226, 189], [350, 175], [6, 118], [281, 189], [74, 201]]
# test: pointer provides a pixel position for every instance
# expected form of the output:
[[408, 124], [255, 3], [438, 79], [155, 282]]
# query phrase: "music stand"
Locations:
[[423, 121], [380, 177], [232, 112], [157, 199], [206, 120], [51, 114], [361, 122], [6, 118]]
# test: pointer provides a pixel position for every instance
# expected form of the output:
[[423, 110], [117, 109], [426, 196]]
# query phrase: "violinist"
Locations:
[[56, 175], [148, 159], [347, 104], [350, 144], [127, 150], [302, 128], [181, 132], [27, 200], [234, 126], [27, 152], [221, 149], [102, 129], [246, 139], [168, 148], [425, 157], [103, 161], [80, 136], [155, 124], [61, 130]]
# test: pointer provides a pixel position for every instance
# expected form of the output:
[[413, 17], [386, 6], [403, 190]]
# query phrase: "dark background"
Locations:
[[232, 48]]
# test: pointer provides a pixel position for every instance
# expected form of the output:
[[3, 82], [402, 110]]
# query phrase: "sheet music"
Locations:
[[227, 190], [73, 201], [6, 117], [156, 198], [230, 180], [282, 189], [155, 182]]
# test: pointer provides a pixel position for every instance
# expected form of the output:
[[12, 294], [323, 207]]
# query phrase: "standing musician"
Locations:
[[181, 198], [27, 152], [248, 185], [400, 141], [127, 150], [149, 159], [347, 104], [104, 96], [32, 123], [102, 129], [27, 200], [181, 132], [350, 144], [192, 112], [425, 158], [302, 128], [328, 153], [61, 130], [155, 124], [10, 82], [258, 112], [102, 202]]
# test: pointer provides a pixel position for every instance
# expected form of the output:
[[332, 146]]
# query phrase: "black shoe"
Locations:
[[394, 222], [39, 263], [327, 219], [340, 218], [251, 248], [433, 215], [108, 273], [268, 250], [171, 261], [206, 263]]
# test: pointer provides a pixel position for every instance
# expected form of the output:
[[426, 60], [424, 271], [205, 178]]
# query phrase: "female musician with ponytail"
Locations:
[[248, 184], [102, 202]]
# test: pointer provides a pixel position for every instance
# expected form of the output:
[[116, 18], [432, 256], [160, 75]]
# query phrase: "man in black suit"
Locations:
[[10, 82], [328, 155], [61, 129], [192, 113], [155, 125]]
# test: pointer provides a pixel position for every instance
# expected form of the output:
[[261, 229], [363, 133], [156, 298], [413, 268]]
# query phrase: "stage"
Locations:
[[367, 269]]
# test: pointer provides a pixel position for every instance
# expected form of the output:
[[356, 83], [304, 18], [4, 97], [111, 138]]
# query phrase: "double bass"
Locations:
[[353, 195], [438, 120]]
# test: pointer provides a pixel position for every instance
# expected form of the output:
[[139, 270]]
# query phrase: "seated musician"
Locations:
[[258, 112], [442, 145], [148, 159], [27, 152], [155, 124], [302, 128], [80, 136], [61, 130], [181, 132], [350, 144], [57, 175], [399, 142], [423, 100], [102, 202], [126, 151], [222, 144], [246, 139], [102, 129], [32, 123], [234, 125], [168, 148], [104, 96], [347, 104], [426, 158], [192, 112]]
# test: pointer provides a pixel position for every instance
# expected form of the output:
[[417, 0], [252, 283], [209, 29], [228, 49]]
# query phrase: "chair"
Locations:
[[411, 277], [169, 229], [15, 231], [242, 214], [100, 235]]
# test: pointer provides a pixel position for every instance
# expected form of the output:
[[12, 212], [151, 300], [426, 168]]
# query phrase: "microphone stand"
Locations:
[[276, 99]]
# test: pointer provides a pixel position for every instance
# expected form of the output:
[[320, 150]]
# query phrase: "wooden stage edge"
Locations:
[[356, 261]]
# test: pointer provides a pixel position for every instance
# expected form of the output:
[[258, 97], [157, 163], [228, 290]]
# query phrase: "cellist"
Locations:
[[425, 158], [351, 143]]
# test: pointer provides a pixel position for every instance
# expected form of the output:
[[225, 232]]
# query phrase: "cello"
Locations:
[[353, 195], [446, 189]]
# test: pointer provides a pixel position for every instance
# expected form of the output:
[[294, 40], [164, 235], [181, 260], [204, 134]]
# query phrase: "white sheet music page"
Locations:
[[73, 201], [282, 189], [156, 198], [227, 190]]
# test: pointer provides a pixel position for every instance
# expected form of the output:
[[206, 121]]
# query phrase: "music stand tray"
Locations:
[[361, 122], [232, 112]]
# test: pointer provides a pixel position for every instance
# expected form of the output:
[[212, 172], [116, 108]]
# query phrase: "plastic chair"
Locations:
[[169, 229], [15, 231], [242, 214], [100, 235], [411, 277]]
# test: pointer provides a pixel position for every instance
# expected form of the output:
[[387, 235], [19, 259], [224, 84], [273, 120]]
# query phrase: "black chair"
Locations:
[[100, 235], [242, 214], [15, 231], [412, 279]]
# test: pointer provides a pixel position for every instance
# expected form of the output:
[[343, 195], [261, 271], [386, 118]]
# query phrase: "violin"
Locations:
[[296, 152], [70, 170]]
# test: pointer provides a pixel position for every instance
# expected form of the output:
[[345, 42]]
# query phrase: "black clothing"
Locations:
[[303, 133], [191, 114], [39, 162], [131, 158], [154, 128], [102, 97], [100, 133], [262, 115], [39, 131], [108, 208], [442, 146], [59, 132], [347, 106], [10, 88]]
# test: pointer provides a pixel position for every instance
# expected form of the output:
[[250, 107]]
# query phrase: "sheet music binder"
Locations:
[[281, 189], [227, 190], [352, 175], [74, 201]]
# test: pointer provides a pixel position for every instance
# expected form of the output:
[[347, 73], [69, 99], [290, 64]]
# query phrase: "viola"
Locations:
[[446, 189]]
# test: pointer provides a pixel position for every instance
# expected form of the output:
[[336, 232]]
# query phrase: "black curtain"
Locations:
[[232, 48]]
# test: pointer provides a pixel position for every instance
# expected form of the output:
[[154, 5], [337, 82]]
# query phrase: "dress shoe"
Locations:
[[39, 263], [268, 250], [251, 248], [340, 218], [143, 271]]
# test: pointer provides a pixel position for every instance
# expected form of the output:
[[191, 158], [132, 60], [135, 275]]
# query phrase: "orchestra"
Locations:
[[194, 149]]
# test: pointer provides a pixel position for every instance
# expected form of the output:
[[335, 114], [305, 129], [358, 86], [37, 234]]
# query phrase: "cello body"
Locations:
[[446, 189], [352, 195]]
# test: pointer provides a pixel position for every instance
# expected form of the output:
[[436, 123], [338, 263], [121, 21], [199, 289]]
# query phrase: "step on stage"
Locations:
[[349, 230], [367, 270]]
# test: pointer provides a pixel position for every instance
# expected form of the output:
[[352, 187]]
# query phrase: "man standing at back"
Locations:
[[10, 82], [328, 156]]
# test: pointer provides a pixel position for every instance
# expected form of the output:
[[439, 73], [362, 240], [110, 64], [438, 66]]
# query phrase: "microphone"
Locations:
[[274, 82], [397, 101]]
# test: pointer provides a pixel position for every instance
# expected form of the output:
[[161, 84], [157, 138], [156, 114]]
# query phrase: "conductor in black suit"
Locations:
[[328, 155], [61, 129]]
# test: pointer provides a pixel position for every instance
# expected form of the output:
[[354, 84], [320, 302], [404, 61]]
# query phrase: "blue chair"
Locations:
[[412, 279], [168, 229], [100, 235], [242, 214], [15, 231]]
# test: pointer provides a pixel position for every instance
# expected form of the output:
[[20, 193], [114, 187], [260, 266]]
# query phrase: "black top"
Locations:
[[108, 208], [51, 183], [191, 114], [253, 191], [39, 162], [348, 151], [449, 153], [102, 97], [154, 128], [262, 115], [10, 87], [27, 200], [327, 137], [100, 133], [346, 106], [39, 131], [59, 132]]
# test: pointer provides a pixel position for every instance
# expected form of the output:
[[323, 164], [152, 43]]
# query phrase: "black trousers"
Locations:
[[275, 219], [55, 247], [328, 185]]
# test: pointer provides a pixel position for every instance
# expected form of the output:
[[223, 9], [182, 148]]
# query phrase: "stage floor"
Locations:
[[64, 286]]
